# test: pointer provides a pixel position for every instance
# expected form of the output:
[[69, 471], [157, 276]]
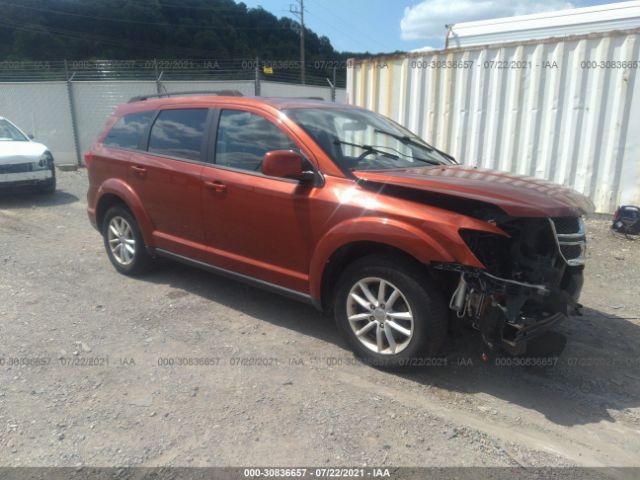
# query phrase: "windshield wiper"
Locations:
[[407, 139], [404, 139], [369, 148], [373, 148]]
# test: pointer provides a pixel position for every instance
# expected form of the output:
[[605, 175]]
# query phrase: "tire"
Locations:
[[120, 224], [418, 298]]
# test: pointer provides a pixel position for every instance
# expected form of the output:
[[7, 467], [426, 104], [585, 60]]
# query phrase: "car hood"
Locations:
[[516, 195], [18, 152]]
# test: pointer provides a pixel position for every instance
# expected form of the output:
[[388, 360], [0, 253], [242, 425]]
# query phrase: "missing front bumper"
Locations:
[[515, 336], [509, 313]]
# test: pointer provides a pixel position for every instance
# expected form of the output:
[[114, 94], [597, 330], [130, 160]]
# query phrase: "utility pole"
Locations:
[[299, 12]]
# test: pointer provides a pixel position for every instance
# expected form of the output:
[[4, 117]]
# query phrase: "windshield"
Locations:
[[362, 140], [9, 133]]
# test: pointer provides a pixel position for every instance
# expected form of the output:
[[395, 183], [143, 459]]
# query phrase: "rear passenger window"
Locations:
[[128, 131], [179, 133], [244, 137]]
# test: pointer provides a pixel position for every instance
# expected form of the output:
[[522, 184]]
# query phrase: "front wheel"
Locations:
[[124, 243], [390, 311]]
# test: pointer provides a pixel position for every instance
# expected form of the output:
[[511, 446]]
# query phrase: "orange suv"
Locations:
[[342, 208]]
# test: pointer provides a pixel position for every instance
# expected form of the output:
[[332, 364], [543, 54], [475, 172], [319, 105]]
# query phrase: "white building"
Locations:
[[561, 23]]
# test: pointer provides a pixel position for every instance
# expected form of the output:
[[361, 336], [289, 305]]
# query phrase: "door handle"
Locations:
[[139, 171], [216, 186]]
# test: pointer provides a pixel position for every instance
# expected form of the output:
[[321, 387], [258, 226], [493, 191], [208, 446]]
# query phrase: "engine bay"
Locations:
[[532, 279]]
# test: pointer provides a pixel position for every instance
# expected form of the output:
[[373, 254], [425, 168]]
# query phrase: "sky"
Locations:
[[389, 25]]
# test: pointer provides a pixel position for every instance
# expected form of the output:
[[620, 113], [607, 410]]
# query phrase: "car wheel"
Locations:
[[124, 243], [390, 311]]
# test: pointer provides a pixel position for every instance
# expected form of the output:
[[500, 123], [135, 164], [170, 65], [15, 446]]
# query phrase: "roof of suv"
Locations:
[[280, 103]]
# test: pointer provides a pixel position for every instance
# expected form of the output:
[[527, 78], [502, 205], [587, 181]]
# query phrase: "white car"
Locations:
[[23, 162]]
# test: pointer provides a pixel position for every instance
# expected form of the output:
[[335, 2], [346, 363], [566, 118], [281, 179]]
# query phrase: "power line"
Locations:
[[190, 7], [348, 25], [80, 35], [332, 27]]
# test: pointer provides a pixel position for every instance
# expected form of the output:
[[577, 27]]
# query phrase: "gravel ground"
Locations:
[[83, 380]]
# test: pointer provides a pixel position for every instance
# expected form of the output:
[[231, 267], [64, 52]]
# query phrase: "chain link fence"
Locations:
[[317, 72]]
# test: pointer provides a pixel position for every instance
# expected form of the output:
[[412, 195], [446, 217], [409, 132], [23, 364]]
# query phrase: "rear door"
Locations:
[[121, 148], [254, 224], [168, 178]]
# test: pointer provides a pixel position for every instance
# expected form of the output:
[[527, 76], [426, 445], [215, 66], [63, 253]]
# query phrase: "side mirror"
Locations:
[[30, 135], [286, 164]]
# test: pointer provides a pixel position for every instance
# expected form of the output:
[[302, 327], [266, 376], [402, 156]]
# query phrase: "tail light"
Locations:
[[88, 158]]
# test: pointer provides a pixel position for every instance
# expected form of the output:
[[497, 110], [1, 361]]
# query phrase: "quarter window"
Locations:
[[179, 133], [128, 131], [244, 137]]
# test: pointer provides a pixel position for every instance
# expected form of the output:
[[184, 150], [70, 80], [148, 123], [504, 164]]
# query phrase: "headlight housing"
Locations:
[[491, 249], [45, 160]]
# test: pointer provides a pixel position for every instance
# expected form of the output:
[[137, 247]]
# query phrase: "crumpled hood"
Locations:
[[516, 195], [20, 152]]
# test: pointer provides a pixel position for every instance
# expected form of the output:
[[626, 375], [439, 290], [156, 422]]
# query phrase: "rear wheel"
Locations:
[[124, 243], [390, 311]]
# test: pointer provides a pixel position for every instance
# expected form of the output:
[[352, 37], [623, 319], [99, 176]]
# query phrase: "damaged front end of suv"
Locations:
[[529, 265], [532, 279]]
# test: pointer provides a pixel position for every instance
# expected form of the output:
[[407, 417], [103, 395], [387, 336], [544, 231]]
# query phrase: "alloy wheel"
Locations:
[[121, 241], [380, 316]]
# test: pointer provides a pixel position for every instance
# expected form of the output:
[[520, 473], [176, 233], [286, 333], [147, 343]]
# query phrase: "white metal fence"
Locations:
[[49, 109], [563, 109]]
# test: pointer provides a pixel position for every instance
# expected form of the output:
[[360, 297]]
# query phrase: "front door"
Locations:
[[254, 224]]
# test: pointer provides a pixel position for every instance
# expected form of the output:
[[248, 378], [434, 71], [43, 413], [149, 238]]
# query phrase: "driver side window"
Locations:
[[243, 139]]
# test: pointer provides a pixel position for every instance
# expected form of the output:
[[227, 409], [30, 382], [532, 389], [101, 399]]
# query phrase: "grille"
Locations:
[[566, 225], [571, 239], [571, 252], [16, 168]]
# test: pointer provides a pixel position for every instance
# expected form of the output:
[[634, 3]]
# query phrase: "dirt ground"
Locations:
[[92, 368]]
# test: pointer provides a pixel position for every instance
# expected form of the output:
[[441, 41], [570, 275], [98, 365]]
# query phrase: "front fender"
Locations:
[[424, 246], [124, 191]]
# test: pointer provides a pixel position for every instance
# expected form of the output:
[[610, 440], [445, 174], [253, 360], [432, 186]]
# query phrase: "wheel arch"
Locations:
[[356, 238], [113, 192], [349, 253]]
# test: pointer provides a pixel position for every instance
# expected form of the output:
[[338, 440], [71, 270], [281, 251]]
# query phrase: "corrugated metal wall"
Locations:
[[533, 108]]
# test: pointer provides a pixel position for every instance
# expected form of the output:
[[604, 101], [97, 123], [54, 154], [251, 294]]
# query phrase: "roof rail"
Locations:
[[292, 98], [225, 93]]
